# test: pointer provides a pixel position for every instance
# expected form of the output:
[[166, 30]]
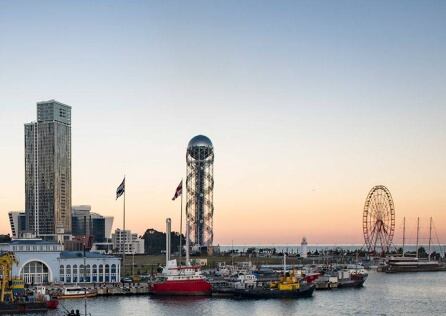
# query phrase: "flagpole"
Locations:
[[181, 221]]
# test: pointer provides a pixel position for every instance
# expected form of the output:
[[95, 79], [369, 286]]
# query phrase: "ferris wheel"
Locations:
[[378, 220]]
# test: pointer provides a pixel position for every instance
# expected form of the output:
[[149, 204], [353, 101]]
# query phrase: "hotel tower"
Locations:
[[48, 171]]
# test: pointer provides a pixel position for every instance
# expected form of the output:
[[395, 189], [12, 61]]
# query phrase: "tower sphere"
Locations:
[[200, 147]]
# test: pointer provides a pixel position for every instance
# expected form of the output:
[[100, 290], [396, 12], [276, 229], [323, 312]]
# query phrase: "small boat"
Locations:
[[77, 292], [180, 280], [351, 278]]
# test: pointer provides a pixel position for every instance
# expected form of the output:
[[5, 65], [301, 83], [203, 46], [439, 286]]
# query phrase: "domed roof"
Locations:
[[200, 141]]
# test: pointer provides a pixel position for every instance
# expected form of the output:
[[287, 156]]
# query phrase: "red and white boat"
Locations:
[[181, 280]]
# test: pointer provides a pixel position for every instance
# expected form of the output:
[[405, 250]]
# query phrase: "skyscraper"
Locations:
[[200, 193], [48, 170]]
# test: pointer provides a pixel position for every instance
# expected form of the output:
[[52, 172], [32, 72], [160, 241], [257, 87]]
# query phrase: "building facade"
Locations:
[[98, 268], [124, 239], [48, 170], [43, 262], [91, 225], [17, 222], [81, 220]]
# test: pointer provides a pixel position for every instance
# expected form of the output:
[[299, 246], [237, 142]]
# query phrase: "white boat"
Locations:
[[77, 292]]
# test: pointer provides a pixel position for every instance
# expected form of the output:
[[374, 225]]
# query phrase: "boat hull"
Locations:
[[414, 268], [261, 293], [351, 283], [23, 308], [70, 296], [181, 288]]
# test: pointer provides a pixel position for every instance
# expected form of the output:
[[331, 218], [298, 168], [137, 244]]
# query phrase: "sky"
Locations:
[[309, 104]]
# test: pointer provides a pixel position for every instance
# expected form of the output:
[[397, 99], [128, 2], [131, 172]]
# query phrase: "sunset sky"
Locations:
[[309, 104]]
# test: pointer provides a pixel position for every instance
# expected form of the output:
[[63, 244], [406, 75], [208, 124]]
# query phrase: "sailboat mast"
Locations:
[[430, 237], [418, 231], [404, 233]]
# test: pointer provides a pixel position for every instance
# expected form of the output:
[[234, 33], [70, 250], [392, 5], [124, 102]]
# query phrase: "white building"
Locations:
[[124, 239], [41, 262]]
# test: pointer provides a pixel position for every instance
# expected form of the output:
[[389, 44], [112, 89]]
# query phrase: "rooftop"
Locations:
[[33, 241], [79, 254]]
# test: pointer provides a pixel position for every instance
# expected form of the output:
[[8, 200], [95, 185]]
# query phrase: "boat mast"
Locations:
[[168, 221], [418, 230], [430, 238], [404, 233]]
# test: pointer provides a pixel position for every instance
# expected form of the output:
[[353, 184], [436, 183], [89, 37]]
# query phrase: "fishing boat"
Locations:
[[227, 287], [77, 292], [351, 278]]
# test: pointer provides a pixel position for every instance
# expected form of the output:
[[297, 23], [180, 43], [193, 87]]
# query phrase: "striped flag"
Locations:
[[121, 189], [178, 191]]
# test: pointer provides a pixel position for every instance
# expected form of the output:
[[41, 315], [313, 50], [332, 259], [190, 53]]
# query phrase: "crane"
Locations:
[[7, 259]]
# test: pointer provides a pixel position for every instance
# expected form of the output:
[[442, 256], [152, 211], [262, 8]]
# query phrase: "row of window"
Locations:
[[92, 273], [36, 248]]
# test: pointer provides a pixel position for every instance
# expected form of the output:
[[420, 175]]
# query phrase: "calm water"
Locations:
[[383, 294]]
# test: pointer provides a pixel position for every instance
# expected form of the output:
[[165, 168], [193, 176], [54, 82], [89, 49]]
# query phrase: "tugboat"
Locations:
[[288, 286], [179, 280]]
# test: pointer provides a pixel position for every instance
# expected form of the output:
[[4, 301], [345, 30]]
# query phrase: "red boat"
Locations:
[[183, 280], [52, 304], [310, 278]]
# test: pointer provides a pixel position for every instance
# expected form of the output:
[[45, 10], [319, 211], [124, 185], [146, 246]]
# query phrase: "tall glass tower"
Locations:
[[48, 170], [200, 193]]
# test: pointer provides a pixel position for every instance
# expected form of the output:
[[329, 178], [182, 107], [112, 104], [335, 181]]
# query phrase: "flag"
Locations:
[[178, 191], [121, 189]]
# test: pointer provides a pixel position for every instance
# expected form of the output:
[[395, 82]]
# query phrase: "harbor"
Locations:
[[399, 294], [222, 158]]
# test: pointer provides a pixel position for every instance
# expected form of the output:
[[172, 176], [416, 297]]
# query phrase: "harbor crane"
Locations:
[[7, 259]]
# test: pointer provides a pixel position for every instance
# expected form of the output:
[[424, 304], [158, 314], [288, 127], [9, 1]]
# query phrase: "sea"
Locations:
[[382, 294]]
